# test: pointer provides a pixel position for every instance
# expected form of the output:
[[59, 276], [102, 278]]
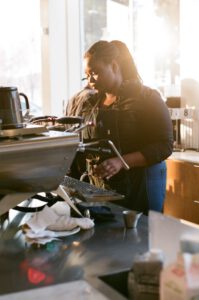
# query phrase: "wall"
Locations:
[[61, 53], [189, 52], [61, 33], [189, 27]]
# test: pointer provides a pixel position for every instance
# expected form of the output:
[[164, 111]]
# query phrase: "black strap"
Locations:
[[49, 199], [29, 209]]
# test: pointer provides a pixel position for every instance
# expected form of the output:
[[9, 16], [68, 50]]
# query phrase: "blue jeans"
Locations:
[[156, 186], [144, 188]]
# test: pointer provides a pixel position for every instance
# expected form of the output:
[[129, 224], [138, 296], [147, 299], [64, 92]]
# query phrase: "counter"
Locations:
[[105, 249], [182, 189], [188, 156]]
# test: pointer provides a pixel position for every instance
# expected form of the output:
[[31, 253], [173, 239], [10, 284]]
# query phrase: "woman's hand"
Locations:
[[108, 168]]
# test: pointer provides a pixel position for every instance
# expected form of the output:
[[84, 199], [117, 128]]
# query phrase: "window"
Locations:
[[42, 44], [150, 28], [20, 48]]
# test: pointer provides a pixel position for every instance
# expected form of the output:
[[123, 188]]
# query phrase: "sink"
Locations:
[[118, 281], [122, 283]]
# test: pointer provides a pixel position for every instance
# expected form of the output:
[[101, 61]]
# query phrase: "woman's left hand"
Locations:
[[108, 168]]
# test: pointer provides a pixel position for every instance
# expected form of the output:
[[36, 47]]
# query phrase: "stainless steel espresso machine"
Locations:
[[33, 159]]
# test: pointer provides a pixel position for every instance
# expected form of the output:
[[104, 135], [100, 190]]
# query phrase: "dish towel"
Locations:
[[53, 222]]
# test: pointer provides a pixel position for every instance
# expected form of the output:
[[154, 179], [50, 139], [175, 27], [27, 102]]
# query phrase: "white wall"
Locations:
[[61, 31], [189, 64], [189, 48]]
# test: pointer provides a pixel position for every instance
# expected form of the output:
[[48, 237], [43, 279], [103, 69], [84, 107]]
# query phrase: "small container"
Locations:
[[131, 218], [144, 276]]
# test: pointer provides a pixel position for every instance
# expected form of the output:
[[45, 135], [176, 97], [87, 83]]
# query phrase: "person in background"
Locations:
[[134, 117]]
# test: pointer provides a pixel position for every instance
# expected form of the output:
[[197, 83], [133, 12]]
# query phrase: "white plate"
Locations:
[[66, 232], [51, 234]]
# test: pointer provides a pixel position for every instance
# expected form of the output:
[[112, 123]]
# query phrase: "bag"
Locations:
[[100, 213]]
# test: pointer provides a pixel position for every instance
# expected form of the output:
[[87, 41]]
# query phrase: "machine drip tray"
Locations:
[[26, 130]]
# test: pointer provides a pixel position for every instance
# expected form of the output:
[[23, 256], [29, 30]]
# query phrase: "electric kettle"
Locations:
[[10, 108]]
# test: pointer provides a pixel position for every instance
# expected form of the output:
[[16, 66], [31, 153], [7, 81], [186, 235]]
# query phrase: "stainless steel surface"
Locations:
[[28, 129], [65, 291], [36, 164], [90, 254]]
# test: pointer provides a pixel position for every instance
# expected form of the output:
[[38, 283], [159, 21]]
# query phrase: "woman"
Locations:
[[131, 115]]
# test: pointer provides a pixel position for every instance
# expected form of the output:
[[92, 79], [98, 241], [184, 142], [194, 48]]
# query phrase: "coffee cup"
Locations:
[[131, 218]]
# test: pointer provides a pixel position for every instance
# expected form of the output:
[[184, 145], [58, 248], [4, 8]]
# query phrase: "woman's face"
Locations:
[[103, 77]]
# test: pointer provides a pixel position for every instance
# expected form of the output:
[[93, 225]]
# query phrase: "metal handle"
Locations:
[[126, 166], [82, 147]]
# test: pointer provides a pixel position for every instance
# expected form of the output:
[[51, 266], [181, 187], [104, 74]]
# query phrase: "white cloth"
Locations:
[[55, 221]]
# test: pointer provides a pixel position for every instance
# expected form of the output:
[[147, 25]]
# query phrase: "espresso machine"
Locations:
[[33, 159]]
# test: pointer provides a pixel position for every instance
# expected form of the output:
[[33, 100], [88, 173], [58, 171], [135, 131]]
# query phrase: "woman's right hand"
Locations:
[[108, 168]]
